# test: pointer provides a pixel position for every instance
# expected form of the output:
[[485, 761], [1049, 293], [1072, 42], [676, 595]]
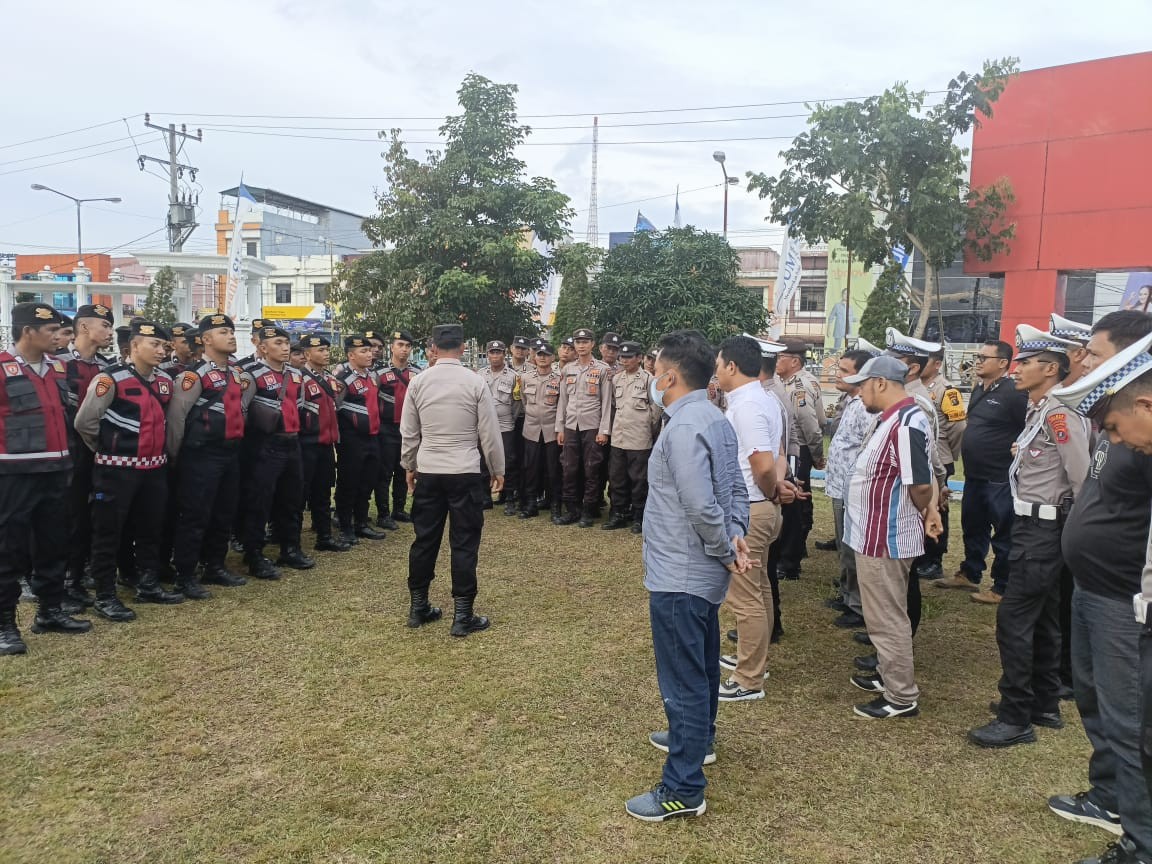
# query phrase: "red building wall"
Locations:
[[1075, 142]]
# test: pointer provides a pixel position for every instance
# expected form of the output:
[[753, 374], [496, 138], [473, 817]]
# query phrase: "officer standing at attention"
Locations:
[[808, 403], [584, 397], [357, 453], [1049, 464], [523, 360], [122, 421], [35, 467], [504, 385], [319, 432], [181, 354], [393, 378], [1073, 331], [567, 351], [541, 389], [245, 364], [205, 431], [276, 484], [62, 347], [449, 410], [520, 362], [631, 422], [610, 354]]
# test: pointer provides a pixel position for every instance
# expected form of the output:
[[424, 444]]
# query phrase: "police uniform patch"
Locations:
[[1059, 424], [163, 386], [11, 369], [103, 385], [1034, 452], [270, 381], [188, 380]]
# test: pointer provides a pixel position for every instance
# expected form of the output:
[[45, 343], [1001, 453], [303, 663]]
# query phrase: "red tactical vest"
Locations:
[[274, 409], [318, 423], [218, 414], [79, 374], [132, 430], [393, 389], [360, 413], [33, 428]]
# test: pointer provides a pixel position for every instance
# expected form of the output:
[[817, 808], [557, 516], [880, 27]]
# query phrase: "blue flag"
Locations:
[[243, 192], [642, 223]]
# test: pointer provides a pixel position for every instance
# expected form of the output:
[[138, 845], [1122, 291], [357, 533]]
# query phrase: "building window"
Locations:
[[250, 249], [283, 292], [319, 292], [812, 294]]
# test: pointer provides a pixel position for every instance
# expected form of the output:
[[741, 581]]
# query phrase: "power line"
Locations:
[[69, 132], [60, 152], [522, 143], [65, 161]]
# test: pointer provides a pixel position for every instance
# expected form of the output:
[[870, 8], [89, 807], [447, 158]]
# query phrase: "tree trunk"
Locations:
[[931, 287]]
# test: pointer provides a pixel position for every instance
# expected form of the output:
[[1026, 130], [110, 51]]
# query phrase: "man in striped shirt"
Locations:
[[890, 507]]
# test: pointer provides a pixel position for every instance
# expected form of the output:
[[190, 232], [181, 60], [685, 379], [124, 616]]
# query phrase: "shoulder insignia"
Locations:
[[163, 387], [188, 380], [244, 382], [103, 385], [1059, 423], [57, 365], [11, 369]]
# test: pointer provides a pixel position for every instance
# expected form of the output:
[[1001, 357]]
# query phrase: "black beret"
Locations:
[[144, 327], [95, 310], [271, 332], [313, 341], [360, 341], [402, 336], [34, 315], [214, 322]]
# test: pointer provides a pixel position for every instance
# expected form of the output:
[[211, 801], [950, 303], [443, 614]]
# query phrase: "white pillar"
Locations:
[[253, 285], [81, 275], [7, 295], [182, 296]]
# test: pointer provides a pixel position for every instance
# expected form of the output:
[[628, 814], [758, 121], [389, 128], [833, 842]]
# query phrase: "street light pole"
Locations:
[[79, 292], [728, 181]]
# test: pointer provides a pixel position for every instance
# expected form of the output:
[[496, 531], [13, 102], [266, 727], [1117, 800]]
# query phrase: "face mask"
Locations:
[[657, 396]]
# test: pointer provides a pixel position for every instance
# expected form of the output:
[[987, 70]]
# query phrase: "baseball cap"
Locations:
[[884, 366]]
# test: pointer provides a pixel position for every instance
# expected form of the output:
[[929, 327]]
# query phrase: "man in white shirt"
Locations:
[[755, 417]]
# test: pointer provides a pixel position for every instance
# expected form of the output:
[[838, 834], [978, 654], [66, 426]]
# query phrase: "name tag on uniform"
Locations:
[[271, 382], [217, 380]]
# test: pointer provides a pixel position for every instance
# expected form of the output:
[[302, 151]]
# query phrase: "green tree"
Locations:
[[574, 262], [887, 305], [371, 292], [459, 224], [670, 280], [887, 172], [159, 305]]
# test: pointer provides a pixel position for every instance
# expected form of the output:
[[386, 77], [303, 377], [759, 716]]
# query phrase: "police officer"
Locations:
[[584, 398], [123, 338], [504, 385], [951, 421], [319, 432], [358, 452], [35, 467], [393, 378], [610, 350], [1073, 331], [205, 431], [631, 424], [246, 363], [521, 362], [566, 352], [790, 446], [181, 356], [63, 343], [122, 421], [804, 392], [1050, 463], [276, 485], [650, 362], [449, 410], [541, 389]]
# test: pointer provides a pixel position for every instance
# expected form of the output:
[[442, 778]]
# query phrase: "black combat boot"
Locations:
[[557, 518], [109, 606], [464, 622], [149, 590], [52, 619], [637, 521], [569, 518], [588, 517], [328, 544], [530, 510], [191, 588], [218, 574], [75, 591], [616, 520], [295, 558], [369, 533], [260, 567], [421, 611], [11, 642], [510, 507]]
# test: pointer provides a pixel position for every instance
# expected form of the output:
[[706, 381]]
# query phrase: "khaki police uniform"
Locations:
[[506, 395], [584, 399], [542, 470], [632, 422], [803, 392]]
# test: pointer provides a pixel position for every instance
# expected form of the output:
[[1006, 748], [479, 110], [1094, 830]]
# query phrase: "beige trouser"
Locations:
[[750, 598], [884, 595]]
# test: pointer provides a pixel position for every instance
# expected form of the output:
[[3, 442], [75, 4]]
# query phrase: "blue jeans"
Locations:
[[686, 639], [1106, 677], [986, 517]]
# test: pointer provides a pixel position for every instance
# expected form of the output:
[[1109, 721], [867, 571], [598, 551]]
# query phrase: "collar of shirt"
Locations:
[[694, 396], [907, 400], [449, 361], [744, 391]]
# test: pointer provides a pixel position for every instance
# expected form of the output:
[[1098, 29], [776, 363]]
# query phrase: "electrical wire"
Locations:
[[587, 143], [69, 132], [65, 161]]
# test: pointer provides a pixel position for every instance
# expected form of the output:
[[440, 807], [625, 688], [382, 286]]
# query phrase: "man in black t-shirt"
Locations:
[[1104, 545]]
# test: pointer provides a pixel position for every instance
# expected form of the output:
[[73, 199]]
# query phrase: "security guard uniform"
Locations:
[[506, 393], [541, 452], [358, 451], [808, 403], [584, 397], [319, 432], [631, 422], [392, 488]]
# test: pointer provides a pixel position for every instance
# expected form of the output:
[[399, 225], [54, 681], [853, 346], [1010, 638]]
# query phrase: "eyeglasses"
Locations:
[[980, 358]]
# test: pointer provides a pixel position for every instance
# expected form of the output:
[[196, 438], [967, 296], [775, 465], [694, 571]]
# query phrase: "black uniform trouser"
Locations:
[[80, 495], [628, 472], [245, 473], [1027, 622], [774, 569], [582, 452], [519, 451], [796, 519], [275, 491], [33, 536], [438, 498], [207, 493], [542, 471], [936, 548], [511, 466], [357, 463], [318, 470], [124, 498], [1146, 690], [392, 482]]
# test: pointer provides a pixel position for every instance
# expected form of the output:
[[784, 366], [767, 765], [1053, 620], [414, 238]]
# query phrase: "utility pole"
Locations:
[[181, 209]]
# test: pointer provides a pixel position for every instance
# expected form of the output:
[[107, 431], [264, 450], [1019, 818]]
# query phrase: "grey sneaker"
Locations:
[[1079, 808], [659, 740], [662, 803], [730, 691]]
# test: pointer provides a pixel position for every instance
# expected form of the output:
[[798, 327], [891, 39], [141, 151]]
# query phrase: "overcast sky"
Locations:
[[74, 64]]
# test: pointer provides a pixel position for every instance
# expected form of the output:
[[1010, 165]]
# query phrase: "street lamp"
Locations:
[[79, 245], [728, 181]]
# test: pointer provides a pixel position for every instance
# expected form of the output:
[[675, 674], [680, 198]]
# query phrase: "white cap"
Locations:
[[901, 344], [1067, 329], [1031, 341], [863, 344], [1107, 379]]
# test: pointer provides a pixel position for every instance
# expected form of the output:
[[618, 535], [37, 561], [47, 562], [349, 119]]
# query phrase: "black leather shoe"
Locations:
[[849, 620], [732, 635], [932, 570], [192, 589], [262, 568], [836, 603], [1049, 720], [569, 518], [51, 619], [112, 609], [866, 663], [77, 593], [219, 575], [615, 522], [588, 518], [350, 538], [387, 523], [862, 637], [295, 559], [637, 528], [464, 621], [401, 516], [510, 508], [420, 611], [531, 511], [11, 642], [999, 734], [151, 591], [370, 533], [826, 545], [328, 544]]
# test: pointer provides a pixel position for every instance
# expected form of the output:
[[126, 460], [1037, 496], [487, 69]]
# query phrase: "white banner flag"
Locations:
[[236, 300], [787, 281]]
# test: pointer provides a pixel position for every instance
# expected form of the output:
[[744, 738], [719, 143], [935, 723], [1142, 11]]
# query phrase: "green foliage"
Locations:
[[887, 305], [670, 280], [887, 171], [370, 292], [159, 305], [574, 307], [457, 227]]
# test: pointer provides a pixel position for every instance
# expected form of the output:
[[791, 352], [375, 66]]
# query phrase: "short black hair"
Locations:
[[744, 351], [1123, 399], [692, 355], [1004, 351], [1124, 328], [937, 355], [768, 364], [1059, 358], [920, 360], [857, 358]]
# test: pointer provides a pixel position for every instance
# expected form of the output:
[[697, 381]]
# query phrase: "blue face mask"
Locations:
[[657, 396]]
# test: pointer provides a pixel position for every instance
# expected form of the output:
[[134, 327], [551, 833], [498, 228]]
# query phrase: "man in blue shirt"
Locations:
[[694, 526]]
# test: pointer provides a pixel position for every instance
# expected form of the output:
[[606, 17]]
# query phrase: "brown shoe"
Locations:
[[989, 597], [957, 580]]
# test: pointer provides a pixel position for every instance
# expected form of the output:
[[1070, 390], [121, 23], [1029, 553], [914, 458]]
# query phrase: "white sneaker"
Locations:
[[730, 691], [728, 661]]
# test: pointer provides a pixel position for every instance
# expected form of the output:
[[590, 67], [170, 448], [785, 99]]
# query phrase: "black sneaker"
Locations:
[[1123, 852], [866, 663], [849, 620], [881, 709], [862, 637], [1000, 734], [868, 683], [659, 740], [1080, 808]]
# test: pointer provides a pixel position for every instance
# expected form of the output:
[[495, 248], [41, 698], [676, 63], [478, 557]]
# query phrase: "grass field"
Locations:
[[300, 721]]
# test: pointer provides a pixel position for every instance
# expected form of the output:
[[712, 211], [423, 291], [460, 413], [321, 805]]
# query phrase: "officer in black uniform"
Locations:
[[319, 432], [393, 378], [358, 453]]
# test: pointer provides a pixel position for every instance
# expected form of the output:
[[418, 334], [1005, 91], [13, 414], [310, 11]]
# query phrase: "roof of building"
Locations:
[[287, 202]]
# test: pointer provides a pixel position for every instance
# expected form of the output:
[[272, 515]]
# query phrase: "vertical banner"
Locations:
[[235, 300], [787, 282]]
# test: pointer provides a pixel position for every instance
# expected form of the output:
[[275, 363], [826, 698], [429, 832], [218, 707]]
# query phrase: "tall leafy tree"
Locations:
[[574, 262], [159, 305], [459, 223], [671, 280], [887, 171], [371, 292], [887, 305]]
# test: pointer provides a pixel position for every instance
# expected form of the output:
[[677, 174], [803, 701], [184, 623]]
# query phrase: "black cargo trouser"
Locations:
[[207, 493], [80, 494], [459, 500], [628, 473], [542, 471], [318, 470], [582, 453], [126, 502], [275, 491], [33, 536], [392, 482], [796, 518], [357, 463], [511, 466]]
